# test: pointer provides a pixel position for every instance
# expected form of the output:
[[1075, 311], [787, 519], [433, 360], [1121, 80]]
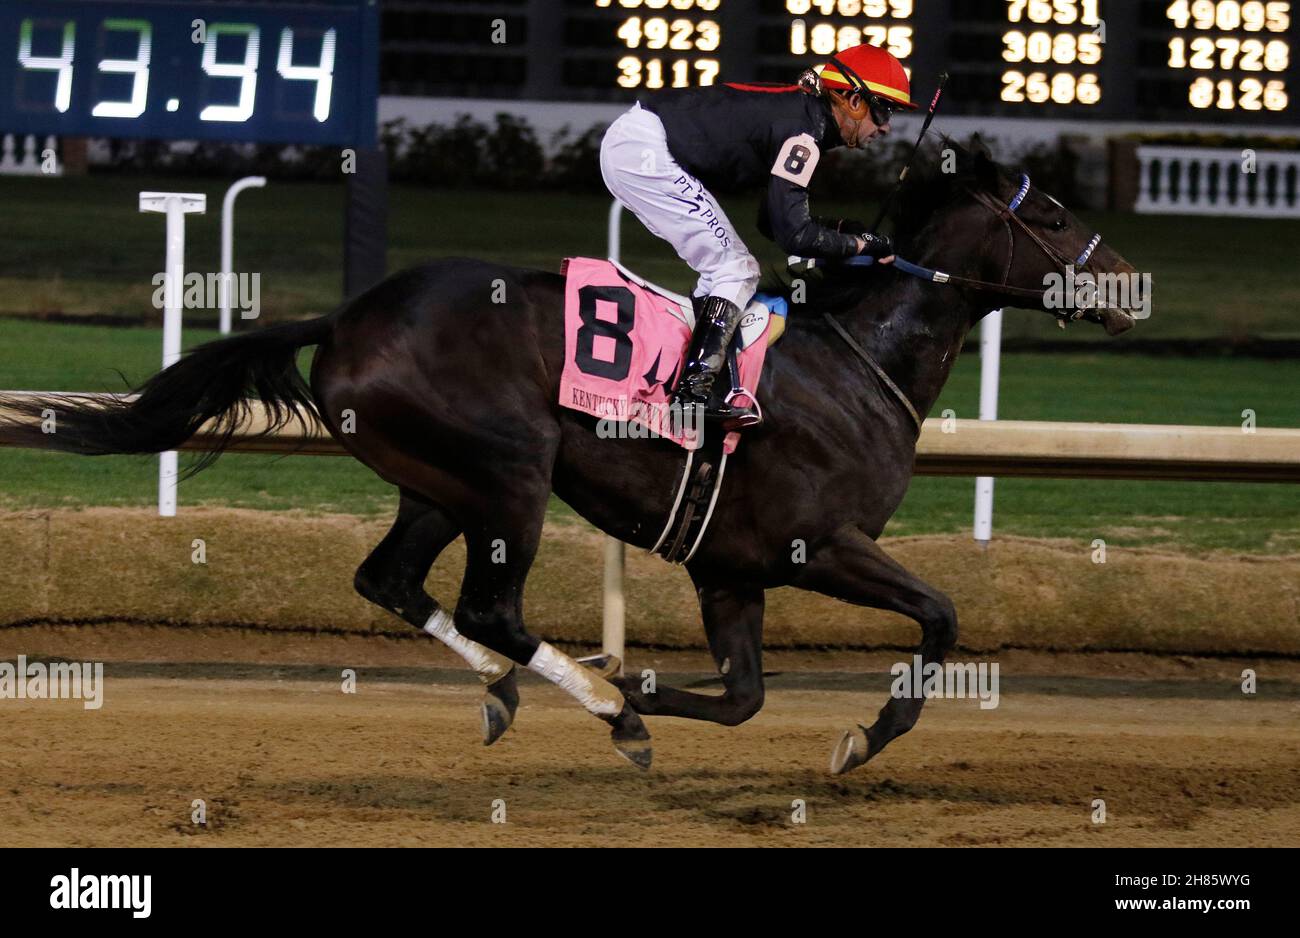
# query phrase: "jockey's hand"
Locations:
[[876, 245]]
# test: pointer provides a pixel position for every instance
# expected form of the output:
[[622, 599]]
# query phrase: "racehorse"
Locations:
[[452, 396]]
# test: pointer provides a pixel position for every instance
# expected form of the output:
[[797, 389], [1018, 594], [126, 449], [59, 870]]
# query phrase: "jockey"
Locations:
[[658, 158]]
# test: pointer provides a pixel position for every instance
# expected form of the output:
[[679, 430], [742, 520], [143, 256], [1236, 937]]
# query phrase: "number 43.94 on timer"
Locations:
[[258, 72]]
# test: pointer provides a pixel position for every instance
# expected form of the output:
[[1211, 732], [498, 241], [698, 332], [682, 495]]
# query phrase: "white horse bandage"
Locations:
[[598, 696], [489, 666]]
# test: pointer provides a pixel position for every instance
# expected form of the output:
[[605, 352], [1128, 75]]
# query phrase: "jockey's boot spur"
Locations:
[[716, 320]]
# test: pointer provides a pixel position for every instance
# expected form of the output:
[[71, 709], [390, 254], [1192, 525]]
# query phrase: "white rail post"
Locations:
[[228, 242], [614, 608], [176, 205], [990, 368]]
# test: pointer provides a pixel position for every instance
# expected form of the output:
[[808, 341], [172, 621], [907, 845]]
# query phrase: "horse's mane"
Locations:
[[926, 189]]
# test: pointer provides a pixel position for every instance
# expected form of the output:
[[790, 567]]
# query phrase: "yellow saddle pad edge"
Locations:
[[775, 329]]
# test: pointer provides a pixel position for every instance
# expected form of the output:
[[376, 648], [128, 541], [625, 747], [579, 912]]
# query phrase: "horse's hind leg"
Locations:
[[733, 624], [393, 577], [501, 546], [852, 567]]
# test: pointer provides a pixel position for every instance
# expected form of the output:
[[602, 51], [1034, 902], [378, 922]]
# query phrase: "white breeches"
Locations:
[[673, 204]]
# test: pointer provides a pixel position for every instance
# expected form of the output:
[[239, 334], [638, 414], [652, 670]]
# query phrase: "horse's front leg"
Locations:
[[733, 624], [852, 567]]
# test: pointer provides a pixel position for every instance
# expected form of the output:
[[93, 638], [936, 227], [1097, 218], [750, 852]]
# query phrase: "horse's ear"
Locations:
[[987, 174]]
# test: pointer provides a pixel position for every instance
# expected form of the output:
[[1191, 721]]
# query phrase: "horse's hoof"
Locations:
[[639, 753], [496, 720], [850, 752], [630, 737], [500, 701], [603, 665]]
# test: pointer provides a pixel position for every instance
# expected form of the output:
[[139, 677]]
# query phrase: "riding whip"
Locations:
[[929, 117]]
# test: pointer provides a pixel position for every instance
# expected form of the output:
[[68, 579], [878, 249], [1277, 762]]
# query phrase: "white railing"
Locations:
[[1204, 181], [1023, 448], [24, 156]]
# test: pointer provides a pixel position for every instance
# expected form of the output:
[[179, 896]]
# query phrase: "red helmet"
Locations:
[[870, 69]]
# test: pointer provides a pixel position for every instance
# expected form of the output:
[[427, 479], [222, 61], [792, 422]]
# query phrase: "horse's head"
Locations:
[[1034, 253]]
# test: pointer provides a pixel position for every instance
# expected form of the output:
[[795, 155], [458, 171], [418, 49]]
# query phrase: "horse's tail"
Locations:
[[212, 382]]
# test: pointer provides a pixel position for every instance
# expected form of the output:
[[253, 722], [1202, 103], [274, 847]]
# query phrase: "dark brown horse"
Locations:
[[451, 395]]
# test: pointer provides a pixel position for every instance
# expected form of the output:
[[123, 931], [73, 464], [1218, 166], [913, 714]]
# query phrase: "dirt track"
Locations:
[[282, 757]]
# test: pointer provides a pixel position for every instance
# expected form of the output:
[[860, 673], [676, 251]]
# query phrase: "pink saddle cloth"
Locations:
[[624, 342]]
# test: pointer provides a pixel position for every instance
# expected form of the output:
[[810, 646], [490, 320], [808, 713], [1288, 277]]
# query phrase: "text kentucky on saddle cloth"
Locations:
[[624, 341]]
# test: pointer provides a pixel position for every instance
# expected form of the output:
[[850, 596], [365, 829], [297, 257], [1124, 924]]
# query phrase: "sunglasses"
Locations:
[[881, 110]]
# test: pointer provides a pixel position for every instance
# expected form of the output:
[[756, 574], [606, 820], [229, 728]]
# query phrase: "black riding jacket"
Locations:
[[731, 136]]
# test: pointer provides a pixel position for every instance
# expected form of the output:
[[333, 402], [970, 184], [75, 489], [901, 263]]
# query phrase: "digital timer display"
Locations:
[[1235, 54], [1228, 61], [261, 71], [824, 27], [307, 71], [1048, 34], [666, 43]]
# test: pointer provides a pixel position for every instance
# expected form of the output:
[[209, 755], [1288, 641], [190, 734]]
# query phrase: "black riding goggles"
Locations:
[[881, 109]]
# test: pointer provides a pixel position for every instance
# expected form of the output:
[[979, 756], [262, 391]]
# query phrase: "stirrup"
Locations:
[[739, 416], [742, 416]]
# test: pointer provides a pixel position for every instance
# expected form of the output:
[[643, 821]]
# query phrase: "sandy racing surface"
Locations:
[[282, 757]]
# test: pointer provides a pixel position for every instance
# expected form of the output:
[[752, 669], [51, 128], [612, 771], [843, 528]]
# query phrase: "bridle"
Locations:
[[1007, 215]]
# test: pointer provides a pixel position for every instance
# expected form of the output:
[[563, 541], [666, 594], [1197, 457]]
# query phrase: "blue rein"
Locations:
[[938, 276], [907, 267]]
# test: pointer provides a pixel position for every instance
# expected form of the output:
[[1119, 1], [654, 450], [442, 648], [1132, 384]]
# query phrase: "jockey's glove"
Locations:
[[876, 245]]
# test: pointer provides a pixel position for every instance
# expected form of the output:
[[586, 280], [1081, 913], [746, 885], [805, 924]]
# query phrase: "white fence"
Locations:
[[1203, 181], [947, 447]]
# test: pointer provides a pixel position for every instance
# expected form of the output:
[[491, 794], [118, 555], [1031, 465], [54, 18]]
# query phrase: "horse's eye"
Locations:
[[1059, 225]]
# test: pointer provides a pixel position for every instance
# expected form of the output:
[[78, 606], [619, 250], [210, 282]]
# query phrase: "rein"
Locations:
[[1007, 214]]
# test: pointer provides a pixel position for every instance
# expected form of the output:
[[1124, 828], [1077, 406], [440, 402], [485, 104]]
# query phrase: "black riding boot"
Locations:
[[716, 320]]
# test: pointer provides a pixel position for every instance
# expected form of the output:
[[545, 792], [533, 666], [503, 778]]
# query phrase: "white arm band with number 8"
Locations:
[[797, 160]]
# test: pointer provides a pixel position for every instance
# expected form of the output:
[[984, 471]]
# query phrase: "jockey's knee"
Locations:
[[737, 281]]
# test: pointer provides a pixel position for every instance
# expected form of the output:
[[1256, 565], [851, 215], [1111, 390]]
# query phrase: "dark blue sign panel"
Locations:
[[258, 71]]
